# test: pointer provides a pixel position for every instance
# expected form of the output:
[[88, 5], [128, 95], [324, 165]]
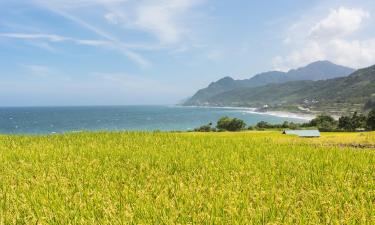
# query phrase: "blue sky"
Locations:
[[113, 52]]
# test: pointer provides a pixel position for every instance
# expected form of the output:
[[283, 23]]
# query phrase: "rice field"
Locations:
[[187, 178]]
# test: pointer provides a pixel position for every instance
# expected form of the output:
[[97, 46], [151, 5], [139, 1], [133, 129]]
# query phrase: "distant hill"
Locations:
[[320, 70], [339, 94]]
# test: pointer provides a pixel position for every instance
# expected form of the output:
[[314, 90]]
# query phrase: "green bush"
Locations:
[[324, 123], [205, 128], [230, 124]]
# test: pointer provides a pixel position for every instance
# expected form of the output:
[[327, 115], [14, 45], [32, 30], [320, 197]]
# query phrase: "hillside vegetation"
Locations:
[[340, 94], [181, 178], [320, 70]]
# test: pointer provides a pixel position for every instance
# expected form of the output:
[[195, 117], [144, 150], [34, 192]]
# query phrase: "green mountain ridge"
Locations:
[[343, 94], [320, 70]]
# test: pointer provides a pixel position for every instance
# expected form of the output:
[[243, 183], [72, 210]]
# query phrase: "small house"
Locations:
[[303, 133]]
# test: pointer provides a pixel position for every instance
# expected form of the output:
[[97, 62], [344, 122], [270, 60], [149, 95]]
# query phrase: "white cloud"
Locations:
[[163, 19], [358, 53], [332, 38], [310, 52], [339, 22]]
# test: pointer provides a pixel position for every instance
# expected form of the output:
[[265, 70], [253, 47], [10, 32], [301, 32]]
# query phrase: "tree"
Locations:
[[345, 123], [263, 125], [352, 123], [324, 123], [285, 124], [293, 126], [370, 122], [358, 121], [230, 124]]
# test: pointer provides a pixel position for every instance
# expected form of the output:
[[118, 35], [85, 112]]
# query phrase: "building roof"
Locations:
[[303, 133]]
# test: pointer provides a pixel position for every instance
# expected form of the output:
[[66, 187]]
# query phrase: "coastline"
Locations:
[[284, 114], [281, 114]]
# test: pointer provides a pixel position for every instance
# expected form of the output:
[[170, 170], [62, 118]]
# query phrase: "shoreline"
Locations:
[[284, 114], [281, 114]]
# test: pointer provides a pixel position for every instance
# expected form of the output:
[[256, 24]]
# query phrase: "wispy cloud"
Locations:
[[49, 37], [167, 20], [54, 38], [164, 25], [120, 46]]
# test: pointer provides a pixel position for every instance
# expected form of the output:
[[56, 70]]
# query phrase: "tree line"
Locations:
[[354, 122]]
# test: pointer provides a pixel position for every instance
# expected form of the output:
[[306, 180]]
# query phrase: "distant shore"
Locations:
[[282, 114]]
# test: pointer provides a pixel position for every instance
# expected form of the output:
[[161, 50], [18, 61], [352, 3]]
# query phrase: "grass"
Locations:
[[180, 178]]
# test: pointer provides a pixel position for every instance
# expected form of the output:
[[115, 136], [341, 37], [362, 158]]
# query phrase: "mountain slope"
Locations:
[[320, 70], [352, 91]]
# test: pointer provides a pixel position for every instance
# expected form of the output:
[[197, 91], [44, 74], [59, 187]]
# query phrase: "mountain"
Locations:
[[220, 86], [320, 70], [338, 94]]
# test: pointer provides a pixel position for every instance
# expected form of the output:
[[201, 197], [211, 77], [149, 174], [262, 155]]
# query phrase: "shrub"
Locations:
[[230, 124], [205, 128]]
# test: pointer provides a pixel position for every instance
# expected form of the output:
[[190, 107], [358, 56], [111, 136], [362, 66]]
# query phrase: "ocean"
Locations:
[[49, 120]]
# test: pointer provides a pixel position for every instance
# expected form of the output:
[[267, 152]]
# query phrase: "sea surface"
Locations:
[[47, 120]]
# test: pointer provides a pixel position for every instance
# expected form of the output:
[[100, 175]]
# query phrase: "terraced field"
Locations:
[[180, 178]]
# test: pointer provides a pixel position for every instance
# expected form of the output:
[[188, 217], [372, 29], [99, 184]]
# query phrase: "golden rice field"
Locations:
[[187, 178]]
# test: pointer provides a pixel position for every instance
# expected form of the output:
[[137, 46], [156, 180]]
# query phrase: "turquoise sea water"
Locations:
[[46, 120]]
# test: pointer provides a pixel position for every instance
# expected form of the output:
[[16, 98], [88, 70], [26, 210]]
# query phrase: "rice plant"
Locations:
[[186, 178]]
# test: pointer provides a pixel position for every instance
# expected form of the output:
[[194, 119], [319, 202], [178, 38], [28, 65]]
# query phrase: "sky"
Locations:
[[136, 52]]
